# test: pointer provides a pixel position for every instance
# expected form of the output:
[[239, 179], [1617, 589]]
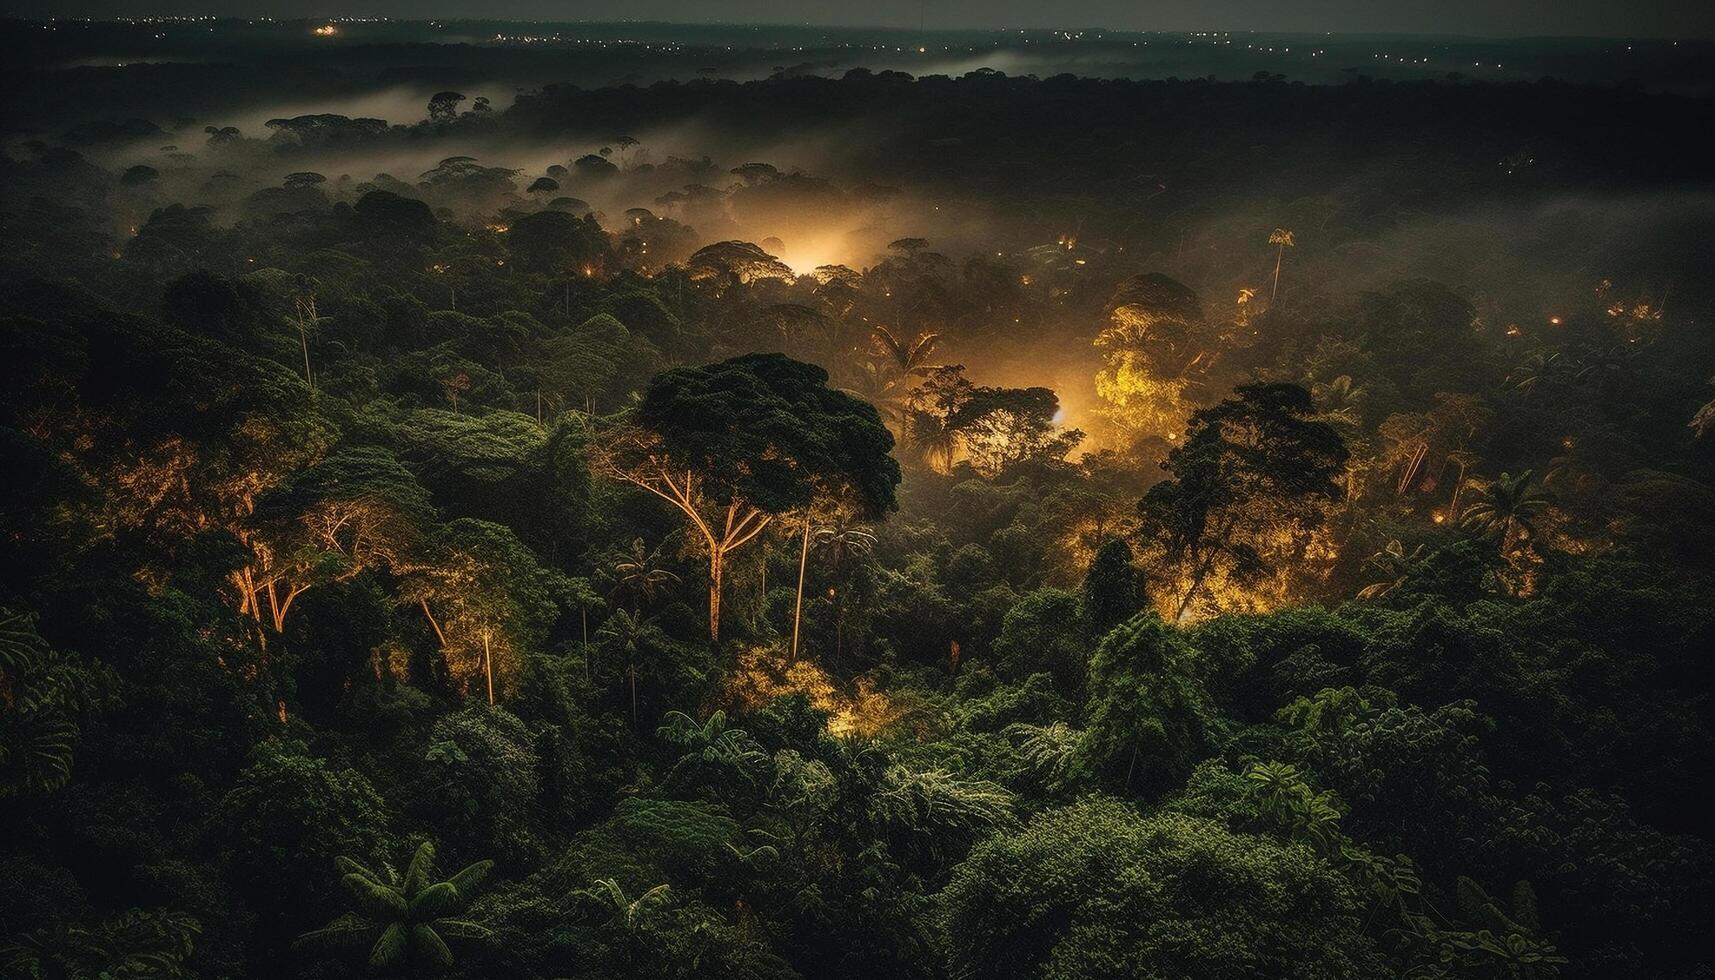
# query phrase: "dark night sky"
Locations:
[[1620, 18]]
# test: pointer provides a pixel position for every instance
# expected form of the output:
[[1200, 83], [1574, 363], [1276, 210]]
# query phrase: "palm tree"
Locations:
[[1507, 509], [1393, 564], [626, 630], [912, 358], [629, 914], [1282, 240], [879, 383], [1242, 306], [842, 538], [640, 572], [710, 743], [1340, 402], [934, 437], [1541, 365], [1704, 420], [406, 921]]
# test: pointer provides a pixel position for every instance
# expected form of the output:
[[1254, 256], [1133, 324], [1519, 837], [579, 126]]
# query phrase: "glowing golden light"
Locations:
[[1554, 320], [326, 30], [762, 675], [1439, 517]]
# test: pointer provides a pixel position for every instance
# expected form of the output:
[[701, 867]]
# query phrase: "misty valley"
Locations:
[[506, 499]]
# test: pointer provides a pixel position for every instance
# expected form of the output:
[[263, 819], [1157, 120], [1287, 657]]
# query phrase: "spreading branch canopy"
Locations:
[[767, 430]]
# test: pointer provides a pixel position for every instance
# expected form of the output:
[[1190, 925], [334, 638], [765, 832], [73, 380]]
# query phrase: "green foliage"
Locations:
[[288, 807], [1045, 757], [404, 921], [582, 364], [554, 241], [1149, 718], [1113, 590], [136, 945], [1463, 739], [43, 695], [481, 777], [648, 841], [1096, 890], [1416, 779], [936, 811], [1249, 468], [1254, 664], [1045, 632], [713, 755], [769, 430]]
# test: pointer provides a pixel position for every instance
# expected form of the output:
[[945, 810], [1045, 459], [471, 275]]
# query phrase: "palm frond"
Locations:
[[389, 946]]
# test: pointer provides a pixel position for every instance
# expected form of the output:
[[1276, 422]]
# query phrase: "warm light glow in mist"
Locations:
[[805, 251]]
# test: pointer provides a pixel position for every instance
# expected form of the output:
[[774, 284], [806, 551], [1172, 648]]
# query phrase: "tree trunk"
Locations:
[[584, 614], [1196, 586], [1279, 253], [442, 637], [488, 667], [1458, 485], [798, 606], [304, 339], [715, 561], [1203, 569]]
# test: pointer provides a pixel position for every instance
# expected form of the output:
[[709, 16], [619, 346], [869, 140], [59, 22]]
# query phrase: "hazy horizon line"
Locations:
[[801, 25]]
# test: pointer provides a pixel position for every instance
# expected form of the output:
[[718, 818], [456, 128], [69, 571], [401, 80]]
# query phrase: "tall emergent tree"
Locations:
[[1250, 479], [1282, 240], [733, 445], [1112, 592]]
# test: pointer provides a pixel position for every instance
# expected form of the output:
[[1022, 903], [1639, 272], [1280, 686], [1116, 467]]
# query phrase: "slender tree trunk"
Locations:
[[631, 671], [1458, 485], [716, 559], [1196, 586], [442, 637], [798, 606], [1279, 253], [584, 614], [304, 339], [1203, 569], [488, 667]]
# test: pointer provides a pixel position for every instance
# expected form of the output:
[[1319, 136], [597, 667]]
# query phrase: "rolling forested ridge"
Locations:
[[848, 523]]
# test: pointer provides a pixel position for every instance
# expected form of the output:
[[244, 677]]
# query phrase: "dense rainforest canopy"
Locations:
[[1092, 529]]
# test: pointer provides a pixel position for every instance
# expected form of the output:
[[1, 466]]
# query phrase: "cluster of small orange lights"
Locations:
[[326, 30]]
